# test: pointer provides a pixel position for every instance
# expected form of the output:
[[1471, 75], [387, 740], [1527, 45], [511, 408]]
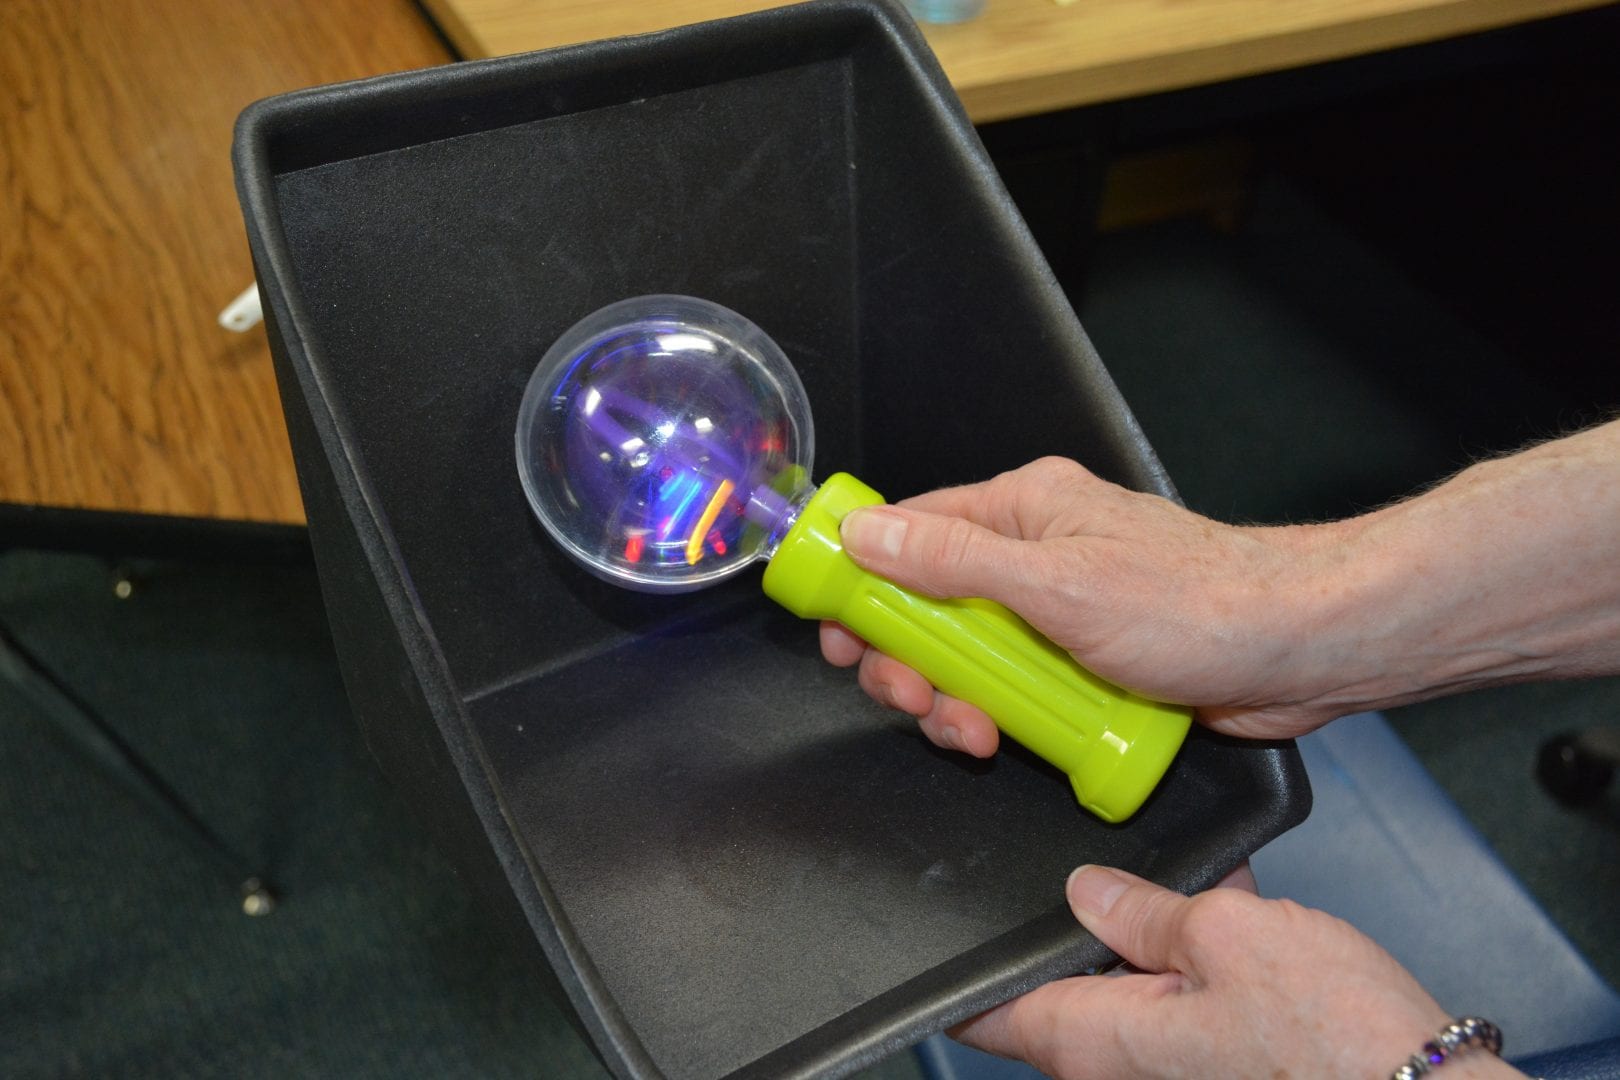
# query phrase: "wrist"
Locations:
[[1467, 1047], [1471, 584], [1385, 617], [1336, 613]]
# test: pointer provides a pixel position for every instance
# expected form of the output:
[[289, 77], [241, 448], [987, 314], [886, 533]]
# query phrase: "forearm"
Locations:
[[1510, 571]]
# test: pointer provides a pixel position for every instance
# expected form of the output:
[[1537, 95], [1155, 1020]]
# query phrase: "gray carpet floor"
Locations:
[[125, 950]]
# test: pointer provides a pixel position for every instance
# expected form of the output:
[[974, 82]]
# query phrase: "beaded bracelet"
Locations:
[[1469, 1033]]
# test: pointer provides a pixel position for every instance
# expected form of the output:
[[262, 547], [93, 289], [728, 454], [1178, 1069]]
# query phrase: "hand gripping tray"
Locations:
[[732, 863]]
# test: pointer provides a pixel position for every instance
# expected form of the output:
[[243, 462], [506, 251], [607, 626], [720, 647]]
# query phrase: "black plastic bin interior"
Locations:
[[732, 861]]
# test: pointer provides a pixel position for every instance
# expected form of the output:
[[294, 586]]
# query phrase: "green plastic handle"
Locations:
[[1113, 745]]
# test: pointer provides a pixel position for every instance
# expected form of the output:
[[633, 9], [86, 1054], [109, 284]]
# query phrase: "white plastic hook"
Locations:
[[245, 312]]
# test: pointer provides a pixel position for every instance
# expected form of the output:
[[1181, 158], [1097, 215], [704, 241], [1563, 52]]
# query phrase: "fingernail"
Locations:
[[873, 533], [951, 737], [1093, 889]]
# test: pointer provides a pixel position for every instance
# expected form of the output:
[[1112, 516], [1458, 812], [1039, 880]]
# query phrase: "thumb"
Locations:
[[1144, 923], [938, 555]]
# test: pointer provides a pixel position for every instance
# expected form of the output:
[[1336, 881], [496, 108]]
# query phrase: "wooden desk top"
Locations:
[[1029, 56], [120, 241]]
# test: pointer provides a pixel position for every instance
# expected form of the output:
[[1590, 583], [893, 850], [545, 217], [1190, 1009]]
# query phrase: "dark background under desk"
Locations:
[[1424, 275]]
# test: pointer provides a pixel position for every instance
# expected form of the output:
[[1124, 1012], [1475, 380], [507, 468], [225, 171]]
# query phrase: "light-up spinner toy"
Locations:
[[665, 443]]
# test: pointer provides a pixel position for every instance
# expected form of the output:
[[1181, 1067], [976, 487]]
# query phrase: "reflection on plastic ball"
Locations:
[[663, 442]]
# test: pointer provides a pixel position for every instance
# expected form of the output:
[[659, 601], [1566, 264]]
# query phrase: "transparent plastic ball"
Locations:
[[664, 442]]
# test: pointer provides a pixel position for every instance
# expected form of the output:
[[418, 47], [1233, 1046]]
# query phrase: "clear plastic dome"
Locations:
[[665, 442]]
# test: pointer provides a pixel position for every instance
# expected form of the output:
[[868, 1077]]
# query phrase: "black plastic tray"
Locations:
[[732, 861]]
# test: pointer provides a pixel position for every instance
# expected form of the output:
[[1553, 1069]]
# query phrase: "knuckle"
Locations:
[[950, 550], [870, 677], [1297, 920], [1055, 478], [1052, 471], [1215, 916], [1042, 495], [1141, 915]]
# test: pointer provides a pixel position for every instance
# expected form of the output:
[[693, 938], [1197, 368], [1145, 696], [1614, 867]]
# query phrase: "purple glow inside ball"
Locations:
[[664, 442]]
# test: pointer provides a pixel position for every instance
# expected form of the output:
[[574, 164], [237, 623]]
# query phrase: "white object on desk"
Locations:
[[245, 312]]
